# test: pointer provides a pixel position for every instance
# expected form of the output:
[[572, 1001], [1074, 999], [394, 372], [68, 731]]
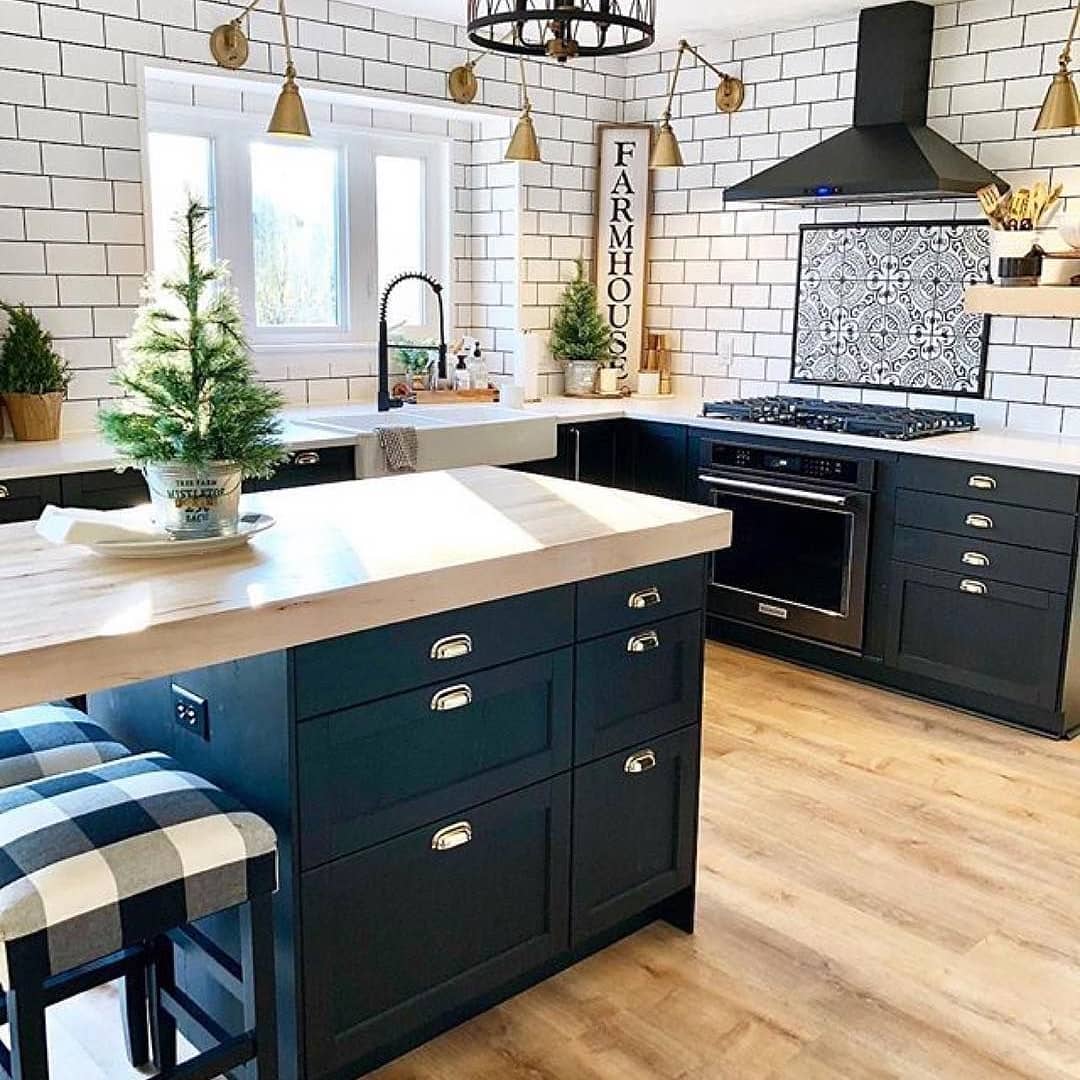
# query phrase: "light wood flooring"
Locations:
[[887, 889]]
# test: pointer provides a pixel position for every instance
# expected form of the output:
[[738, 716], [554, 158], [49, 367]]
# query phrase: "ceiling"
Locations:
[[676, 18]]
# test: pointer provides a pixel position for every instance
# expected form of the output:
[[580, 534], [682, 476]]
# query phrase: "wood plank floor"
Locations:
[[887, 889]]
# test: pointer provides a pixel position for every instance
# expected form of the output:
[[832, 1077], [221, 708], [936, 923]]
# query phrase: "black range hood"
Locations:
[[890, 153]]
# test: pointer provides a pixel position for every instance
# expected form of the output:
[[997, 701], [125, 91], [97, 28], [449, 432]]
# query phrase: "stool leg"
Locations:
[[257, 960], [26, 1017], [162, 976], [136, 1032]]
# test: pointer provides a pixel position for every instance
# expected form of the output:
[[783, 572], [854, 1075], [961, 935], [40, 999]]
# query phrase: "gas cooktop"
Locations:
[[852, 418]]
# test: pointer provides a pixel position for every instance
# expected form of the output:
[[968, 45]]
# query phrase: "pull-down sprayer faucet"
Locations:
[[386, 400]]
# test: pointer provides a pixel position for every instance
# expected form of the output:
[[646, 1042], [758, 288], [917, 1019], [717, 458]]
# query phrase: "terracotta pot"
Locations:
[[35, 417]]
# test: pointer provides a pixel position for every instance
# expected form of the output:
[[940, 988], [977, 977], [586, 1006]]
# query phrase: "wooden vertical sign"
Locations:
[[622, 219]]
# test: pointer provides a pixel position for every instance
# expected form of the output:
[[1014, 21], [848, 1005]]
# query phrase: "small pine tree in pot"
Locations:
[[34, 377], [198, 422], [580, 336]]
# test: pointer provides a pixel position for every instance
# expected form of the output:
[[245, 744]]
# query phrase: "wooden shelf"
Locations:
[[1039, 301]]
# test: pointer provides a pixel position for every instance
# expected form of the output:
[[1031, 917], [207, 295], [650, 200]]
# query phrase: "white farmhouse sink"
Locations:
[[450, 436]]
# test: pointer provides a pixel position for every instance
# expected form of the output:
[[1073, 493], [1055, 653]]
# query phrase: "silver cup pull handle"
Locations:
[[643, 598], [453, 697], [642, 761], [643, 642], [975, 558], [307, 457], [979, 521], [4, 493], [976, 588], [983, 483], [451, 647], [452, 836]]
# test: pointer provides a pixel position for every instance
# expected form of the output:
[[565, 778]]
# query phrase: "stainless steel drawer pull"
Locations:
[[307, 457], [452, 836], [644, 642], [979, 521], [976, 588], [642, 761], [453, 697], [450, 648], [983, 483], [4, 493], [643, 598], [975, 558]]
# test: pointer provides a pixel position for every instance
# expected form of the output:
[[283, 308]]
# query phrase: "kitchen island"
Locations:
[[469, 703]]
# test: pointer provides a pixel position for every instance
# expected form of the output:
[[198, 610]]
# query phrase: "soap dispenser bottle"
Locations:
[[462, 375]]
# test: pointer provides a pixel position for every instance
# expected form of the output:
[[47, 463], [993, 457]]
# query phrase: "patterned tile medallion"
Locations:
[[883, 305]]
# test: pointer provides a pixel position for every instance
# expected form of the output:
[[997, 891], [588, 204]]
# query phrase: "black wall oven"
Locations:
[[801, 539]]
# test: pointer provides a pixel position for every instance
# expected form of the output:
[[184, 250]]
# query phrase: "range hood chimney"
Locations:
[[889, 153]]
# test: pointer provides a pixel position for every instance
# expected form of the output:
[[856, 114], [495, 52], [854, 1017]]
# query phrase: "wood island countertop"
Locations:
[[342, 558]]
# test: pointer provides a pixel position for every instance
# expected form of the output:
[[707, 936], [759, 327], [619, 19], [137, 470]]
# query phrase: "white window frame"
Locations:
[[231, 132]]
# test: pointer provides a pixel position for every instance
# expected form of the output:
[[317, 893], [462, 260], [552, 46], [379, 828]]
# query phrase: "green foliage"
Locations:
[[414, 361], [28, 362], [579, 331], [195, 395]]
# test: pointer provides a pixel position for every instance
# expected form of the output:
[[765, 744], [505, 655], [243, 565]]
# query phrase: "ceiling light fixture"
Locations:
[[562, 29], [730, 94], [229, 47], [1061, 107]]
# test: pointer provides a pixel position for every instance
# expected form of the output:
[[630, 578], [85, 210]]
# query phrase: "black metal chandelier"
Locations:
[[562, 29]]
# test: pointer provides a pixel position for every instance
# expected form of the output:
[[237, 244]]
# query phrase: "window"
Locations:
[[312, 231]]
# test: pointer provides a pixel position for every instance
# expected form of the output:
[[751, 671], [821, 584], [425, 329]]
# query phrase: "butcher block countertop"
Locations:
[[342, 558]]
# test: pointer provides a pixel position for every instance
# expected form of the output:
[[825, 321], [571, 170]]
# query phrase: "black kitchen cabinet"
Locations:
[[651, 458], [104, 489], [585, 452], [24, 499], [319, 465], [994, 638]]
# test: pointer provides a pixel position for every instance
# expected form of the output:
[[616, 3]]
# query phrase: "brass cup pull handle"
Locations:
[[452, 836], [307, 457], [642, 761], [976, 588], [979, 521], [643, 598], [975, 558], [4, 492], [643, 642], [451, 647], [453, 697], [983, 483]]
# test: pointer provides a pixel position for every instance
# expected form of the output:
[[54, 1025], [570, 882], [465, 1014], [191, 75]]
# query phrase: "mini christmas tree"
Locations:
[[579, 331], [28, 362], [196, 400]]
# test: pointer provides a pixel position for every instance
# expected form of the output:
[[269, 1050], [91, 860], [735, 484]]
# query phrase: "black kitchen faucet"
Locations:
[[386, 400]]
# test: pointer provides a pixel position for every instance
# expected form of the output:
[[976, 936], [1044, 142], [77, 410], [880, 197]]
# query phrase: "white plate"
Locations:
[[168, 547]]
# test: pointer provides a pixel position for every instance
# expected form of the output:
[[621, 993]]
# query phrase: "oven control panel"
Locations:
[[780, 463]]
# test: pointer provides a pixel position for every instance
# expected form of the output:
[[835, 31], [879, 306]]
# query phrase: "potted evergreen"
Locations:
[[197, 422], [34, 377], [580, 336]]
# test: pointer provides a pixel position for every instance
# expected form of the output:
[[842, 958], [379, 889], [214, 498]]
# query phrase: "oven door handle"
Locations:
[[822, 497]]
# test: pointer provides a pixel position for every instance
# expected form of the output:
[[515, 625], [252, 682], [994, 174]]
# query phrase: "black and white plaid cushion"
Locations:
[[95, 860], [43, 740]]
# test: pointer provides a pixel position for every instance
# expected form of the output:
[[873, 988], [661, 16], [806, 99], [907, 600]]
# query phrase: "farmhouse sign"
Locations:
[[621, 225]]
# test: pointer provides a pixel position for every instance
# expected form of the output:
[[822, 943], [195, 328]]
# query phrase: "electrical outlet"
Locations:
[[191, 711], [725, 349]]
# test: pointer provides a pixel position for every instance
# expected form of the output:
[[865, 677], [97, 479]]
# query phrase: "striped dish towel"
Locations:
[[399, 447]]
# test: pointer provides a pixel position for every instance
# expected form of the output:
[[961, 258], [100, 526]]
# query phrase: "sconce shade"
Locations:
[[667, 154], [289, 117], [524, 146], [1061, 107]]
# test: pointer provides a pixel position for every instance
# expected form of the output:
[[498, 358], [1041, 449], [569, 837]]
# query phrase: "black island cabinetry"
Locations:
[[466, 803]]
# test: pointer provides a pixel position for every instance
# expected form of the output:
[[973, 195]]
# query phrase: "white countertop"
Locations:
[[994, 446], [342, 558]]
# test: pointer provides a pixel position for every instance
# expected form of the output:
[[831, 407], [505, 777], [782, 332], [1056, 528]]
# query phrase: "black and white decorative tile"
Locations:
[[883, 305]]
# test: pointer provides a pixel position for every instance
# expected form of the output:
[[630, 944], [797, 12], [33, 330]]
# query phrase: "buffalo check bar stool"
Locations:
[[43, 740], [101, 870]]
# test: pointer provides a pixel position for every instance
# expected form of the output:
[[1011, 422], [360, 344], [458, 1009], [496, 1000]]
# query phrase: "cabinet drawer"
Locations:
[[637, 684], [24, 499], [324, 465], [105, 489], [375, 663], [402, 933], [1039, 529], [984, 559], [636, 597], [397, 763], [990, 483], [635, 822], [988, 636]]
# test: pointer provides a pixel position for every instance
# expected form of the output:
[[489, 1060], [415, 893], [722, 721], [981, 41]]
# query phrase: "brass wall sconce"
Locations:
[[229, 48], [730, 94], [1061, 107]]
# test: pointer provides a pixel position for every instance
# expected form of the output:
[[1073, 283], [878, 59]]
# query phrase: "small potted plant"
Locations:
[[415, 361], [34, 377], [197, 422], [580, 336]]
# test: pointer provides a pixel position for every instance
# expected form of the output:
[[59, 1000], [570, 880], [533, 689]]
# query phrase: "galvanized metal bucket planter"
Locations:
[[193, 502]]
